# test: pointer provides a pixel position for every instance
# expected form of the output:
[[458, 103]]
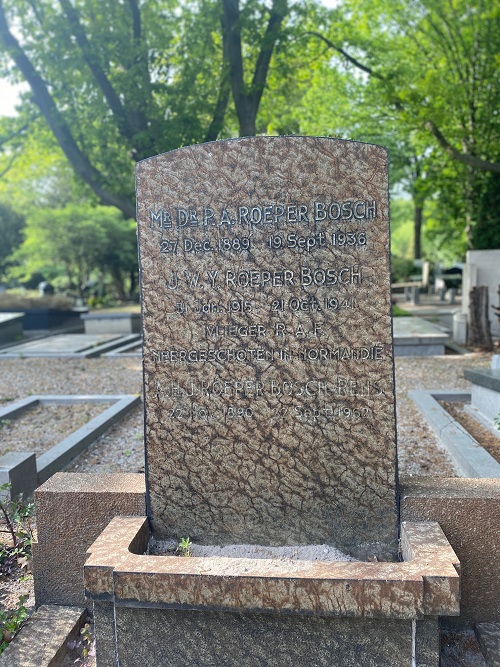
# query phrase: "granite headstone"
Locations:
[[268, 365]]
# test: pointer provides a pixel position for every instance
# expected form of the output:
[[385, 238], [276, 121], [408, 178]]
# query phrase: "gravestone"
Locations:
[[268, 365]]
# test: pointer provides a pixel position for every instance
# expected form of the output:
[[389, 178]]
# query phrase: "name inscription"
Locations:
[[337, 229], [277, 215]]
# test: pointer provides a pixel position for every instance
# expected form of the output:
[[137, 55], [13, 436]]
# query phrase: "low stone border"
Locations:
[[126, 350], [87, 352], [98, 322], [43, 641], [416, 337], [25, 471], [470, 459]]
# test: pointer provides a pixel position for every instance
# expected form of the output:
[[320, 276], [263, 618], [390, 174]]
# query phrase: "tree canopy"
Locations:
[[115, 81]]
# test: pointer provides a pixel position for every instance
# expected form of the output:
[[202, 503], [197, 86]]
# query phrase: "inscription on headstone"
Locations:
[[268, 369]]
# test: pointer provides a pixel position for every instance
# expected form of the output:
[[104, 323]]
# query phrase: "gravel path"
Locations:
[[122, 448]]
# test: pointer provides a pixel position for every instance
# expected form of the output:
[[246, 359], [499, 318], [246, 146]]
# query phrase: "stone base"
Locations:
[[468, 511], [245, 612], [72, 509], [485, 391], [207, 639]]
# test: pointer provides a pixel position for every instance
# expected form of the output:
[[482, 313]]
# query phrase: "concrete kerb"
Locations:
[[470, 459], [126, 350], [25, 472]]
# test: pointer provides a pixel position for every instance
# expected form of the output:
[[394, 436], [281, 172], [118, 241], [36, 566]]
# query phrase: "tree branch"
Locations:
[[44, 101], [464, 158], [10, 164], [13, 135], [343, 53], [220, 108], [247, 102], [92, 61], [278, 12]]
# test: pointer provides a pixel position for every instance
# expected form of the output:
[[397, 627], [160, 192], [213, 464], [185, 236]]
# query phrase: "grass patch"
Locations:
[[399, 312]]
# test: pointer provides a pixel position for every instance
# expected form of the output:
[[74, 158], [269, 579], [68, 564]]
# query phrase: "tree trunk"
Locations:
[[479, 330], [417, 231]]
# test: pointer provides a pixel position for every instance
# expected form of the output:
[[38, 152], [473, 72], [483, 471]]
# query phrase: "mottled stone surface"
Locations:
[[427, 584], [71, 510], [267, 343], [104, 633], [427, 647], [259, 640], [468, 511]]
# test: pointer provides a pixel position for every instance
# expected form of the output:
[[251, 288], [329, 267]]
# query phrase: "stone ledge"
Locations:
[[428, 584], [484, 377]]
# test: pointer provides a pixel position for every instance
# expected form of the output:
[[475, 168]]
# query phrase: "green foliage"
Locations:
[[85, 645], [17, 516], [11, 622], [401, 269], [79, 243], [399, 312], [11, 227], [485, 233]]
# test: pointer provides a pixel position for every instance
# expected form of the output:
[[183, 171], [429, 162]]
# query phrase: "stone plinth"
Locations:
[[319, 606], [485, 392], [72, 509], [101, 322], [417, 337], [468, 511], [268, 363]]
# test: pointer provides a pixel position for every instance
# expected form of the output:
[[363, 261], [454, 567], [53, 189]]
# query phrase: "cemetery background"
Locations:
[[32, 360], [381, 84]]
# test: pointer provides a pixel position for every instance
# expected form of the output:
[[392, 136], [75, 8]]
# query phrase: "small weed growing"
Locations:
[[184, 547], [85, 644]]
